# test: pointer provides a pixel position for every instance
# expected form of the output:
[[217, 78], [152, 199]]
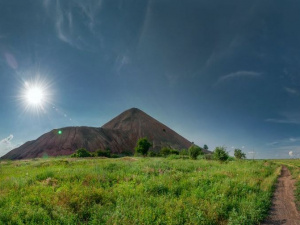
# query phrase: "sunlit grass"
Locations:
[[135, 191]]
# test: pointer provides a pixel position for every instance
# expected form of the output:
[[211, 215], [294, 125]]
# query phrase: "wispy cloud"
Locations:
[[291, 91], [90, 10], [285, 141], [72, 30], [146, 23], [287, 121], [6, 145], [121, 61], [238, 74], [286, 118]]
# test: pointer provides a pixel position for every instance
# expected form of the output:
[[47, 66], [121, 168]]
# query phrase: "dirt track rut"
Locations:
[[283, 210]]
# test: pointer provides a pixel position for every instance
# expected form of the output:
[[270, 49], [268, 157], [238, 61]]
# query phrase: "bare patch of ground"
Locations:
[[283, 210]]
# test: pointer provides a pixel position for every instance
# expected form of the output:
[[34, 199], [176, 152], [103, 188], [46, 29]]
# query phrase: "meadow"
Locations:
[[135, 190]]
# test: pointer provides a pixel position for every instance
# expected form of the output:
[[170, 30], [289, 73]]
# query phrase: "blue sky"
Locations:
[[221, 73]]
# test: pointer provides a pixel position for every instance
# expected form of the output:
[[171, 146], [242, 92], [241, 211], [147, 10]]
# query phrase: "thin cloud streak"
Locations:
[[238, 74], [284, 121], [283, 142], [291, 91]]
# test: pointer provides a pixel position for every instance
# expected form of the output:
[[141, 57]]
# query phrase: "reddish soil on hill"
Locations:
[[119, 135]]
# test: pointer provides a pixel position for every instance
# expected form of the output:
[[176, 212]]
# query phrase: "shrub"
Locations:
[[220, 154], [239, 154], [152, 154], [114, 156], [165, 151], [143, 146], [127, 152], [184, 152], [194, 151], [208, 156], [174, 152], [82, 152], [103, 153]]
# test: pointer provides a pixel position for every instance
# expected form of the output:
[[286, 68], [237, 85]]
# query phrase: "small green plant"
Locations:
[[239, 154], [205, 147], [194, 151], [142, 146], [220, 154]]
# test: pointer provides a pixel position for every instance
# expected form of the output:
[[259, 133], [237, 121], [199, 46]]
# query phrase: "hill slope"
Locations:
[[120, 134]]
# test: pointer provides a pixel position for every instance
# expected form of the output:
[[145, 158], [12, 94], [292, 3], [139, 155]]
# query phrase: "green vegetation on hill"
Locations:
[[135, 191]]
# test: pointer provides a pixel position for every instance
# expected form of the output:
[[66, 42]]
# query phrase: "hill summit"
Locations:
[[119, 135]]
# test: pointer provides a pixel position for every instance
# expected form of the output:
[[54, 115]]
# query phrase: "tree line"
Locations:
[[143, 145]]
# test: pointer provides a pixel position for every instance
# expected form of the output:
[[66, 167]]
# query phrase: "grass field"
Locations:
[[294, 167], [135, 191]]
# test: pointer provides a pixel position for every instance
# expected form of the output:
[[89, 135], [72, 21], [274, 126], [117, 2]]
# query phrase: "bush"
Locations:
[[152, 154], [194, 151], [142, 146], [239, 154], [103, 153], [220, 154], [127, 152], [174, 152], [82, 152], [184, 152], [208, 156], [165, 151]]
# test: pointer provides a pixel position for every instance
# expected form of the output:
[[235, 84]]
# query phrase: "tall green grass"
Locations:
[[135, 191]]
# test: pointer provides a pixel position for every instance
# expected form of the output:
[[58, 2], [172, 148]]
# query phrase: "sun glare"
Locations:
[[35, 96]]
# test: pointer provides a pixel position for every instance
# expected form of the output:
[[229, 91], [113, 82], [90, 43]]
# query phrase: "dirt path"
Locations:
[[283, 210]]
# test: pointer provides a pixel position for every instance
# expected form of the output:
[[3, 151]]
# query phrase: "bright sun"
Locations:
[[35, 95]]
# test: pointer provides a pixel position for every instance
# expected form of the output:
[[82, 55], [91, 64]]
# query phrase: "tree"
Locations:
[[221, 154], [239, 154], [194, 151], [142, 146], [205, 147]]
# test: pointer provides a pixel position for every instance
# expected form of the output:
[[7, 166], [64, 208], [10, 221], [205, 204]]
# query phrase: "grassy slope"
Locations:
[[294, 167], [135, 191]]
